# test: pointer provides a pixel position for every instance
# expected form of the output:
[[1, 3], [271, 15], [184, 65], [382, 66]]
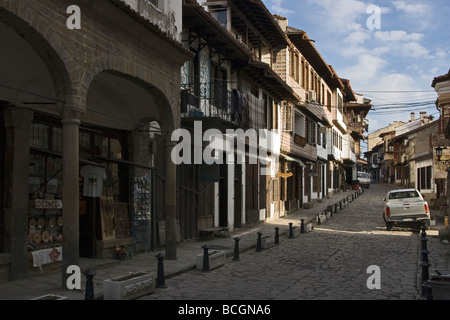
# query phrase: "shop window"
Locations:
[[115, 149], [45, 194], [100, 146], [85, 144], [46, 137], [103, 146], [424, 176], [39, 136], [56, 139]]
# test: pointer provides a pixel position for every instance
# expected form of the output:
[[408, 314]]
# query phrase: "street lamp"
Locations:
[[439, 155]]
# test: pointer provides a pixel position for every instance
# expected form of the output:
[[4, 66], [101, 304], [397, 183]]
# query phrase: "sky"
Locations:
[[390, 57]]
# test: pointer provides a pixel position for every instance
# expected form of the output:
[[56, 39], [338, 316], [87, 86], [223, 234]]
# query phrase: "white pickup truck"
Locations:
[[405, 206], [364, 179]]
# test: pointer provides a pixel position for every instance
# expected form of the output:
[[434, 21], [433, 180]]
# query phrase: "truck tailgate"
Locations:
[[405, 208]]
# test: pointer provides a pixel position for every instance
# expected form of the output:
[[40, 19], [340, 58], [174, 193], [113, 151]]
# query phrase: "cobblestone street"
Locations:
[[330, 262]]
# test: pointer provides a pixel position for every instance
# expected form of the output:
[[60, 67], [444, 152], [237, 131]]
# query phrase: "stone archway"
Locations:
[[120, 101], [34, 79]]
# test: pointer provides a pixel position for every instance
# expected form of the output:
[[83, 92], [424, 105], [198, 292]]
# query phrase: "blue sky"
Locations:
[[393, 65]]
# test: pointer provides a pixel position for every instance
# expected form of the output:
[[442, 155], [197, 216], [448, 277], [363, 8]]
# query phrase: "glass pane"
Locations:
[[57, 139], [116, 149], [85, 144], [39, 135], [101, 146]]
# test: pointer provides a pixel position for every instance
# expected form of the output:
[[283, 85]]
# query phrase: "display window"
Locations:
[[45, 201], [115, 195], [44, 186]]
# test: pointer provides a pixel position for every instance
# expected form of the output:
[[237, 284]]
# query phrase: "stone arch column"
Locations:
[[70, 189], [45, 47], [17, 125]]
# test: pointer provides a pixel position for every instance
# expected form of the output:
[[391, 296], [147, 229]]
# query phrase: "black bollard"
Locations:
[[335, 208], [160, 281], [258, 242], [425, 273], [340, 205], [277, 235], [426, 287], [205, 258], [318, 219], [89, 295], [236, 249], [423, 243], [423, 228], [302, 226], [291, 231], [425, 253]]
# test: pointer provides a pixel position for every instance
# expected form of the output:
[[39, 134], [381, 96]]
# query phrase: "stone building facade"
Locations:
[[89, 95]]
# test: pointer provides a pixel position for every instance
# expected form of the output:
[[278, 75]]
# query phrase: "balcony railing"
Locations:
[[217, 103]]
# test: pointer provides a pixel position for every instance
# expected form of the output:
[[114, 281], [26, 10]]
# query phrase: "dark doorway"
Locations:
[[223, 196], [238, 196], [88, 222]]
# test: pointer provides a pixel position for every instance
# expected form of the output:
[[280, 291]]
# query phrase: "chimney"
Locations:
[[282, 22], [412, 116], [425, 119]]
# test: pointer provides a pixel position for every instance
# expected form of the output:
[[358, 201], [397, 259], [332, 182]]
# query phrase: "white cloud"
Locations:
[[358, 36], [415, 50], [397, 35], [415, 9], [417, 13], [341, 16], [277, 7], [403, 44], [365, 71]]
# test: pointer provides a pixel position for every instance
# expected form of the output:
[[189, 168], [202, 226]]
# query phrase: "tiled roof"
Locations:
[[441, 78]]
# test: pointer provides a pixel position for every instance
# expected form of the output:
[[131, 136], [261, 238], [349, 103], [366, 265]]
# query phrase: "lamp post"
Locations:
[[439, 153]]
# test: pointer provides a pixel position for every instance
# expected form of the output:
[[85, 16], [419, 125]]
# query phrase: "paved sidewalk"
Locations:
[[50, 283]]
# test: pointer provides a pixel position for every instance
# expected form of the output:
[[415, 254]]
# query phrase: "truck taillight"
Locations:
[[388, 212], [427, 209]]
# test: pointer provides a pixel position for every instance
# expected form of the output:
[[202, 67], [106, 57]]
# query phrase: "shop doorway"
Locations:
[[238, 195], [223, 196], [104, 191]]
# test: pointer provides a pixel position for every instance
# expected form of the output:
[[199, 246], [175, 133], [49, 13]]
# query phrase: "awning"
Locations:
[[293, 160]]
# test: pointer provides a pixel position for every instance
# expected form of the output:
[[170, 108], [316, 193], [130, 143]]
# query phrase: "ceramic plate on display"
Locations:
[[37, 237], [45, 236], [32, 223], [59, 221], [40, 222], [51, 222]]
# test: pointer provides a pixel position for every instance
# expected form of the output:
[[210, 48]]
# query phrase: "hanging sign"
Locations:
[[285, 175]]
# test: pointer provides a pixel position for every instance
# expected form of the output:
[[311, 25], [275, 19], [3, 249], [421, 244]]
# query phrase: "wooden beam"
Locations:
[[223, 3]]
